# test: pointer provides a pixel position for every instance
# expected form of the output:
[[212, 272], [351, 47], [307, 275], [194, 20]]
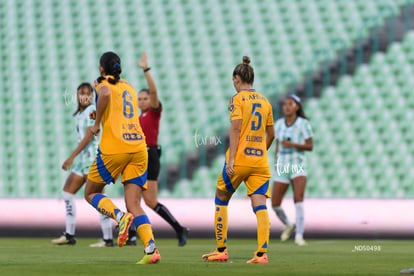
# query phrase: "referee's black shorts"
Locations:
[[154, 154]]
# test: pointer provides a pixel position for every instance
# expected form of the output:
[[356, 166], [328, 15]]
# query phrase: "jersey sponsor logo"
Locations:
[[253, 152], [231, 107], [132, 136]]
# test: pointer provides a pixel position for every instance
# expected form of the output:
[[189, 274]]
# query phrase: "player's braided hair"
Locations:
[[244, 71], [111, 63], [81, 86]]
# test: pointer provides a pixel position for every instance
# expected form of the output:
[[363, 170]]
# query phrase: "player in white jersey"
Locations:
[[294, 137], [82, 158]]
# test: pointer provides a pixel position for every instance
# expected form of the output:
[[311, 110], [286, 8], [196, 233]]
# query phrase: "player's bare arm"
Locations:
[[143, 63], [234, 143], [308, 146], [81, 146], [270, 136], [103, 100]]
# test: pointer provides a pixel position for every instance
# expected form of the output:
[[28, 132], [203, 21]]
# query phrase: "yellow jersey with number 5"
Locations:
[[256, 114], [121, 131]]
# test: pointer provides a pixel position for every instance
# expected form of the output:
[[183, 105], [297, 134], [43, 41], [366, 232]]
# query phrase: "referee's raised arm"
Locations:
[[143, 63]]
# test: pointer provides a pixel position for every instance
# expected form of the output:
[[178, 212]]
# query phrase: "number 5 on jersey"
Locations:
[[256, 124], [128, 108]]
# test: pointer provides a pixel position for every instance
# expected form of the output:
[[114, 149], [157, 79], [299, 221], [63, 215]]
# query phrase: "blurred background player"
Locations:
[[86, 152], [294, 137], [151, 109], [251, 134], [122, 151]]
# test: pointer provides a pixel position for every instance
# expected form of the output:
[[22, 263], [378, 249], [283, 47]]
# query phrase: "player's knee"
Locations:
[[298, 198], [86, 195], [275, 204], [89, 193], [222, 195], [133, 206], [151, 203]]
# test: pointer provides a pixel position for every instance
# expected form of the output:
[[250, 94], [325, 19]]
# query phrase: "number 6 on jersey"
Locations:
[[128, 109]]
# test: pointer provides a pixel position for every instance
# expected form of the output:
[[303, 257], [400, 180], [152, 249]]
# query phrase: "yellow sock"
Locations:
[[144, 230], [105, 206], [221, 224], [263, 228]]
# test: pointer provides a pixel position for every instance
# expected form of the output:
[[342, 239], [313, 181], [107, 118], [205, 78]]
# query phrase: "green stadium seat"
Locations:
[[192, 60]]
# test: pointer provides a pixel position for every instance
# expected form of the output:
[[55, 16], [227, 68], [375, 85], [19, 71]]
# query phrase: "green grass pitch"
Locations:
[[21, 256]]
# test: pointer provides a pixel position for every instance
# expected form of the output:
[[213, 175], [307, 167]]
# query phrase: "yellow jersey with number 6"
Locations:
[[256, 114], [121, 131]]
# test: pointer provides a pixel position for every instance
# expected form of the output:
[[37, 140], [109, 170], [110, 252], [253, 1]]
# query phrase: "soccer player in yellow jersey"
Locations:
[[122, 151], [251, 135]]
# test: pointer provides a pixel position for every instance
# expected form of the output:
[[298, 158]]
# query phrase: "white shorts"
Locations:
[[81, 168], [284, 173]]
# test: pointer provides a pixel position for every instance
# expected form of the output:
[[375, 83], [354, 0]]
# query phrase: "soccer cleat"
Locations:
[[183, 236], [103, 243], [64, 239], [216, 256], [131, 242], [287, 232], [300, 242], [123, 227], [258, 260], [152, 258]]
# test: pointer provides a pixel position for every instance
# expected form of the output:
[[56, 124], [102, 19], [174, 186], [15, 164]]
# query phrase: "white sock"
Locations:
[[119, 216], [300, 220], [106, 226], [280, 213], [70, 212]]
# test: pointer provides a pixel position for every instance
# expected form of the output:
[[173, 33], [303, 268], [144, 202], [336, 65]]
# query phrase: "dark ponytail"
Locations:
[[111, 63], [301, 113], [81, 86]]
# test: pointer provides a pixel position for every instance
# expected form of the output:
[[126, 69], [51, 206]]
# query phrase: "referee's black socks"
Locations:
[[168, 217]]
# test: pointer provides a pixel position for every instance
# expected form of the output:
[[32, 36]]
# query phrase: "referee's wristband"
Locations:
[[147, 69]]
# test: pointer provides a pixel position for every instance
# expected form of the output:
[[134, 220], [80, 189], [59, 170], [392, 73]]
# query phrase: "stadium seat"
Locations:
[[54, 45], [362, 132]]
